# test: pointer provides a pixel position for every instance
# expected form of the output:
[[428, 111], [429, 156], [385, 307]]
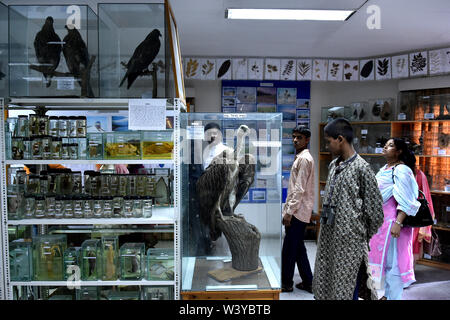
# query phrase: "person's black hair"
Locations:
[[303, 130], [212, 125], [339, 127], [406, 155]]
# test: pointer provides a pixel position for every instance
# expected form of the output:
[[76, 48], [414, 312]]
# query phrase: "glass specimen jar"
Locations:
[[43, 125], [147, 206], [107, 206], [33, 184], [81, 126], [33, 125], [72, 127], [59, 207], [72, 261], [63, 127], [22, 126], [20, 260], [46, 142], [65, 151], [17, 149], [137, 206], [53, 130], [68, 207], [73, 151], [114, 184], [65, 184], [36, 148], [117, 207], [82, 148], [128, 207], [78, 206], [56, 148], [77, 186], [132, 264], [95, 143], [40, 209], [88, 206], [48, 257], [98, 207], [123, 185], [28, 212], [27, 153], [160, 264], [141, 181], [110, 255], [91, 260], [43, 184], [50, 203]]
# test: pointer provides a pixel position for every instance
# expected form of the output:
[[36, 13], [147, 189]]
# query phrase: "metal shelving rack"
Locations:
[[161, 215]]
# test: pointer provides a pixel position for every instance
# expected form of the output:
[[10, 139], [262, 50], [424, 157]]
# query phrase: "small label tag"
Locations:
[[378, 150], [441, 152], [448, 209], [447, 188], [401, 116], [322, 193], [364, 131], [235, 115], [429, 116], [65, 84]]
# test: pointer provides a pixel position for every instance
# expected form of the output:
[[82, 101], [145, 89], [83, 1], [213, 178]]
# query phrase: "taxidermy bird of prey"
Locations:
[[47, 45], [224, 183], [142, 57], [76, 54]]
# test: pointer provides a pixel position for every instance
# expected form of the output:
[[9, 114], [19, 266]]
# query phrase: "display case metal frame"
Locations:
[[162, 215]]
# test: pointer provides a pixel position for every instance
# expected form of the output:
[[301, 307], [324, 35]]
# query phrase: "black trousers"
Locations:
[[294, 252]]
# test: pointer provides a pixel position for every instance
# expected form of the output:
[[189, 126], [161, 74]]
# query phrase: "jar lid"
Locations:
[[22, 116], [62, 118], [53, 117], [43, 177], [39, 198]]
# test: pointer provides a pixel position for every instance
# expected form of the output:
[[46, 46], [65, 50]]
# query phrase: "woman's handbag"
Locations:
[[423, 216]]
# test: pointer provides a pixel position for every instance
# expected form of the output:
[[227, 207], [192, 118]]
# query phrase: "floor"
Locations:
[[431, 283]]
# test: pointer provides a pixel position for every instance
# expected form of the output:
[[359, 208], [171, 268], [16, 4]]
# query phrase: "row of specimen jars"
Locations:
[[47, 258], [46, 148], [67, 207], [67, 182], [42, 125]]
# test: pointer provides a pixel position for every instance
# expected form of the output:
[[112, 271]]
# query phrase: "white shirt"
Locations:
[[211, 151]]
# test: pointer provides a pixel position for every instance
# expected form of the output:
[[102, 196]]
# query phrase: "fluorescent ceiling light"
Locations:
[[288, 14]]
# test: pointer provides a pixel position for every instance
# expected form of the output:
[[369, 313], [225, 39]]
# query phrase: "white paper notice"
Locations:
[[147, 114]]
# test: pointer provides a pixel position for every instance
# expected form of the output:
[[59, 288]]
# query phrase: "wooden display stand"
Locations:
[[228, 273], [232, 295]]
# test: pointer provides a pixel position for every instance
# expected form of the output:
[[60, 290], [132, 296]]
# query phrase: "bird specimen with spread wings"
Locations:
[[142, 57], [224, 183], [47, 46], [76, 55]]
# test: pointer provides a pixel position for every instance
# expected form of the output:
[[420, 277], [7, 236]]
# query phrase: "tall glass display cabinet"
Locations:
[[3, 50], [127, 31], [231, 212], [63, 224], [53, 51]]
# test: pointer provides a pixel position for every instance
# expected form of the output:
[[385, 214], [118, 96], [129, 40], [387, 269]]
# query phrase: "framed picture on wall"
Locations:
[[177, 64]]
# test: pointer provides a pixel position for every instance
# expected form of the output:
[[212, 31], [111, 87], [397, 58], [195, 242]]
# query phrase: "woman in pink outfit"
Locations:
[[391, 257]]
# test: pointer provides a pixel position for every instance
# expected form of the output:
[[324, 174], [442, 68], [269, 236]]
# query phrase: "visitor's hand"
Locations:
[[395, 230], [287, 219]]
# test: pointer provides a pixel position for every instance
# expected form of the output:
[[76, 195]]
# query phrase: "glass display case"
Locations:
[[53, 51], [334, 112], [21, 260], [160, 264], [122, 145], [127, 30], [247, 214], [157, 144], [4, 50], [132, 261], [48, 257], [381, 109], [423, 105], [91, 260]]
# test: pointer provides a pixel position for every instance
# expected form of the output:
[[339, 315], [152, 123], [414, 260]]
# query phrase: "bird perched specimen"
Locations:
[[47, 45], [76, 55], [224, 183], [143, 55]]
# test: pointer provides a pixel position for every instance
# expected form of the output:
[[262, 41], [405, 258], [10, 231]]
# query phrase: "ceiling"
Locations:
[[406, 25]]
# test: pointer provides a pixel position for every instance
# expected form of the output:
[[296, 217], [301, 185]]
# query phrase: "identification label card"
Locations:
[[147, 114], [428, 116], [401, 116], [378, 150], [441, 152], [65, 84], [364, 131], [195, 132]]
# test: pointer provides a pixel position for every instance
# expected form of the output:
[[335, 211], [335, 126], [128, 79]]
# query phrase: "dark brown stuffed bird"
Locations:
[[76, 55], [142, 57], [47, 45]]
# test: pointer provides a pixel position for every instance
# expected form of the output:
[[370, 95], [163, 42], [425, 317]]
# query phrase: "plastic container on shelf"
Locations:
[[20, 260], [157, 144], [132, 261], [48, 257], [160, 264], [122, 145], [91, 260]]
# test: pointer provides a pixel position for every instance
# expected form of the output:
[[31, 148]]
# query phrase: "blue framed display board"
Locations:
[[292, 98]]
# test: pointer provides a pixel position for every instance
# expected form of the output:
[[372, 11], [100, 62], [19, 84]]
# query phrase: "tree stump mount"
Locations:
[[243, 239]]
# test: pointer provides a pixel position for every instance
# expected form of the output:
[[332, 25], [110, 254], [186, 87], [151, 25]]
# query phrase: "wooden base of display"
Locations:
[[232, 295], [228, 273]]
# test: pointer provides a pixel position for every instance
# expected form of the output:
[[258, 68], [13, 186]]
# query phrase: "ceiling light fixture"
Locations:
[[288, 14]]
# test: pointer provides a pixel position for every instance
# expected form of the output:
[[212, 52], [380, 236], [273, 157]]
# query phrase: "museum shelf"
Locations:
[[163, 222]]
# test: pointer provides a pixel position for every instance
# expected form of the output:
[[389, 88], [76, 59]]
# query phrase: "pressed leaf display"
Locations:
[[224, 68], [191, 68]]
